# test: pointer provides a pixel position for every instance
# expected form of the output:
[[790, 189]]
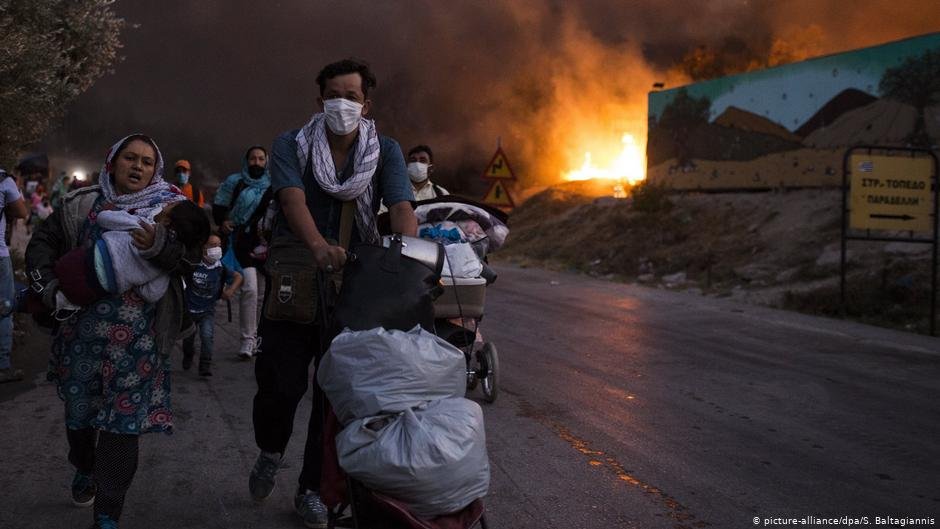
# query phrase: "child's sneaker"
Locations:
[[205, 370], [83, 490]]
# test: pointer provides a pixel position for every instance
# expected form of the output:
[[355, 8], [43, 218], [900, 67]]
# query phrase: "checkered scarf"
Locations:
[[312, 142], [147, 202]]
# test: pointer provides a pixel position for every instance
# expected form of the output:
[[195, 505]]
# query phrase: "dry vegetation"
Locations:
[[778, 249]]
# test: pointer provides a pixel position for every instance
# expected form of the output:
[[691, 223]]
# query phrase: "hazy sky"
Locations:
[[207, 78]]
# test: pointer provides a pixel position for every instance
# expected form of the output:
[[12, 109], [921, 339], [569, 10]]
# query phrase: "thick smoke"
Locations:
[[546, 77]]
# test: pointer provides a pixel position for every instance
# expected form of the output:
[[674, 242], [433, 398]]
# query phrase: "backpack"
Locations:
[[246, 237]]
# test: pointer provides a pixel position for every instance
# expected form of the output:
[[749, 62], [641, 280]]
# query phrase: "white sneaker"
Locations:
[[247, 350]]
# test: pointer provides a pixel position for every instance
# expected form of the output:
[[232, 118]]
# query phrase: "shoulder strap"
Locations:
[[346, 223], [235, 192], [225, 273], [438, 190]]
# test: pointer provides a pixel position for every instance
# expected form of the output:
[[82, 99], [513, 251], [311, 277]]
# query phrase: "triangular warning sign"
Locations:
[[498, 168], [498, 196]]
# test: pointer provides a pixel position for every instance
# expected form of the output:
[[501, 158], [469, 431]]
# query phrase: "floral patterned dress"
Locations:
[[106, 363]]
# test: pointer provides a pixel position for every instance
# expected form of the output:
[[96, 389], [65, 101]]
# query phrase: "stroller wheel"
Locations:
[[471, 380], [489, 371]]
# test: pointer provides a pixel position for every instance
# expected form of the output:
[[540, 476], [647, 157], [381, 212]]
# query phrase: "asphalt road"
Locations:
[[619, 406], [634, 407]]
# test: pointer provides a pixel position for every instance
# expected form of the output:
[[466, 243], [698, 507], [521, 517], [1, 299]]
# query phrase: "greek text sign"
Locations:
[[891, 193]]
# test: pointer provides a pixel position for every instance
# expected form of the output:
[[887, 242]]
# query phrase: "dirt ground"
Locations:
[[779, 249], [31, 346]]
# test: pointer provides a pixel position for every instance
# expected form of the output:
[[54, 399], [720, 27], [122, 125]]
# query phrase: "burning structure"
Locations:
[[789, 126]]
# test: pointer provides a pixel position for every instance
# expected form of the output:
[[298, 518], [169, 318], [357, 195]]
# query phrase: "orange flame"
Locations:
[[628, 166]]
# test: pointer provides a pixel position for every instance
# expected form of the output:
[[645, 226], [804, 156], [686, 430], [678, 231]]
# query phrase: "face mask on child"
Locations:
[[213, 254]]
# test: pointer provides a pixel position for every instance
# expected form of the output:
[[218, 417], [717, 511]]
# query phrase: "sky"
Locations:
[[548, 79]]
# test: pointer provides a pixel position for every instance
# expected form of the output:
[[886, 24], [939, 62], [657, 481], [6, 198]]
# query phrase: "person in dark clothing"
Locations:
[[239, 205], [337, 157]]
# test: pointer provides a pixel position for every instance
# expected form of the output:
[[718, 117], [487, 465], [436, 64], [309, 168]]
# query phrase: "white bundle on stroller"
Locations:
[[493, 228], [366, 373], [409, 432], [432, 457]]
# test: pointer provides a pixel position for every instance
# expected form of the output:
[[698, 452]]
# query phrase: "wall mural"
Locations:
[[790, 126]]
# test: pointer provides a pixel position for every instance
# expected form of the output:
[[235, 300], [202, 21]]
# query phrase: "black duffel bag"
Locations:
[[392, 287]]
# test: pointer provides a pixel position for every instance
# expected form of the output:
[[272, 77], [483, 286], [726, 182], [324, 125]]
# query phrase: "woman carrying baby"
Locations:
[[110, 357]]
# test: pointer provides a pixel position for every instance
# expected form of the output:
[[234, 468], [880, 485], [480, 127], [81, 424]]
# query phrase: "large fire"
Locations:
[[627, 166]]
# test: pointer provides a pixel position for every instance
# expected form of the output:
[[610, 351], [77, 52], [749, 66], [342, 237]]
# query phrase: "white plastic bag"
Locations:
[[432, 458], [461, 261], [366, 373]]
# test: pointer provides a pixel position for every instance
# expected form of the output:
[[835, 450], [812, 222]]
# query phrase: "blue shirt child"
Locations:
[[205, 287]]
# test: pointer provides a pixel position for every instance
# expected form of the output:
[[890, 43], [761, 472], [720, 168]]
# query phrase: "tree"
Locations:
[[51, 51], [916, 82]]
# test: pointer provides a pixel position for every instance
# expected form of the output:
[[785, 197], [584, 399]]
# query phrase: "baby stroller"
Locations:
[[459, 310], [371, 509], [457, 320], [461, 225]]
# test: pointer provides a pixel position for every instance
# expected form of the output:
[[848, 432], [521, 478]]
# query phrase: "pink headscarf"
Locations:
[[147, 202]]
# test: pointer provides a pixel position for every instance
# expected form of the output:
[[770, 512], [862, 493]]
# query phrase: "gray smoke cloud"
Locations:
[[207, 79]]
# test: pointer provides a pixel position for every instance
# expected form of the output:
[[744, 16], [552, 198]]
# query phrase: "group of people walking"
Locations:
[[111, 346]]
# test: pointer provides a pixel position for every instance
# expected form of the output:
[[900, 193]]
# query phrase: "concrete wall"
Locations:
[[791, 125]]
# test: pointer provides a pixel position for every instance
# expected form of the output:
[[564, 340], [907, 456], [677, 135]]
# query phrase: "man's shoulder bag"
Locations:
[[296, 291], [292, 273]]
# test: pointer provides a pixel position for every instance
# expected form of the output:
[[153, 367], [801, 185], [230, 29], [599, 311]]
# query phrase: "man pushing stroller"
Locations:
[[335, 166]]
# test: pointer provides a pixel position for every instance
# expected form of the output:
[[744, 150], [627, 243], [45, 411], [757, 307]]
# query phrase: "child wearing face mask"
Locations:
[[209, 281]]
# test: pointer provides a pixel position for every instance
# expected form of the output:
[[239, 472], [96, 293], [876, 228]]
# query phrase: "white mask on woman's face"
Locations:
[[342, 115], [418, 172], [213, 254]]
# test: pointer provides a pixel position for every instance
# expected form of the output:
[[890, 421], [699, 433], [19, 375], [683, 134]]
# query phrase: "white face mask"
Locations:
[[342, 115], [213, 254], [418, 172]]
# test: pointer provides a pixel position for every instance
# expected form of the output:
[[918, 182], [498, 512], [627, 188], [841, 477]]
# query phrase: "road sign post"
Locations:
[[498, 168], [886, 192], [499, 173], [498, 196]]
